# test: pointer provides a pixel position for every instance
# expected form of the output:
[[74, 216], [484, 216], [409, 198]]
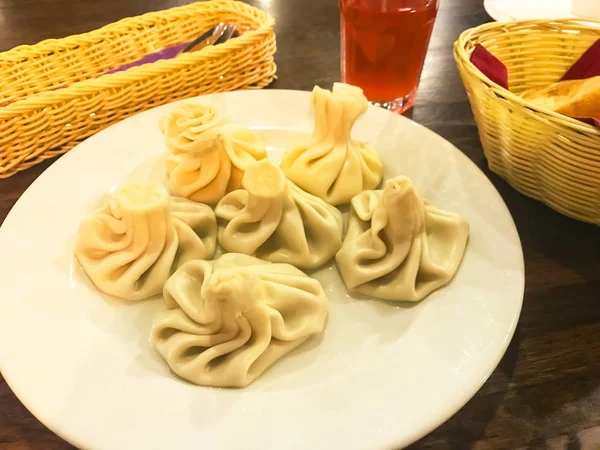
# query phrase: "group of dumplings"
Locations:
[[227, 320]]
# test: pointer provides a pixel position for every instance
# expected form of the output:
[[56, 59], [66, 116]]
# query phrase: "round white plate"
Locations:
[[508, 10], [382, 375]]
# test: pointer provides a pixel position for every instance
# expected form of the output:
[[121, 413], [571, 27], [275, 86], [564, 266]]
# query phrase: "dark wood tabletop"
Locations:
[[546, 391]]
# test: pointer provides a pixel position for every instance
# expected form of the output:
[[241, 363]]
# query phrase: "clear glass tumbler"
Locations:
[[384, 43]]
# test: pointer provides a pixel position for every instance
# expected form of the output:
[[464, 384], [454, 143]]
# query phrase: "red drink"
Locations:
[[384, 43]]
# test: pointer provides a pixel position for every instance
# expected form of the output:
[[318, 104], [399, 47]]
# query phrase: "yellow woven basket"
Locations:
[[544, 155], [53, 94]]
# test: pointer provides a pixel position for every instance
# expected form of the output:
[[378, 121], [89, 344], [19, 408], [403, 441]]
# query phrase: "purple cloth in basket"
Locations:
[[166, 53], [587, 66], [490, 66]]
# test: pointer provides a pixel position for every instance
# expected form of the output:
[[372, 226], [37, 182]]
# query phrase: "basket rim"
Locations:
[[121, 25], [462, 57], [119, 79]]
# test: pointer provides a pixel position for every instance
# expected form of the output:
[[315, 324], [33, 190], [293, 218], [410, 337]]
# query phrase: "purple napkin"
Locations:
[[166, 53], [490, 66], [587, 66]]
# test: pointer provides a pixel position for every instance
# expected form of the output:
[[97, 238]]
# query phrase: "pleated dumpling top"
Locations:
[[132, 244], [206, 156], [227, 321], [399, 246], [331, 165], [273, 219]]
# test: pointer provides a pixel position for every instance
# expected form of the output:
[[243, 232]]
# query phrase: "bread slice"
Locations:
[[574, 98]]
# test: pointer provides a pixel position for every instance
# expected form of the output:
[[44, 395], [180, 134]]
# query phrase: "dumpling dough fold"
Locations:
[[399, 246], [273, 219], [206, 157], [228, 320], [131, 245], [331, 165]]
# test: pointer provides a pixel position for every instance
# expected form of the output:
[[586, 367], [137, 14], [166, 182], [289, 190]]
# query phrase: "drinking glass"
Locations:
[[384, 43]]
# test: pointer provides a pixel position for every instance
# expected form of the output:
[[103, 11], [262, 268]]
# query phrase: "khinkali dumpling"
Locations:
[[398, 246], [332, 165], [131, 245], [206, 157], [273, 219], [228, 320]]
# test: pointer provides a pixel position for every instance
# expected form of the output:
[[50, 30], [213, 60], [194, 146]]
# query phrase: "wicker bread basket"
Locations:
[[53, 94], [544, 155]]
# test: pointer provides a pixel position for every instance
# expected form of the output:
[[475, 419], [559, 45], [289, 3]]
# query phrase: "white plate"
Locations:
[[508, 10], [381, 376]]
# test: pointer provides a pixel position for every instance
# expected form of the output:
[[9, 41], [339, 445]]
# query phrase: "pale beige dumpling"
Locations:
[[273, 219], [206, 157], [331, 165], [228, 320], [399, 246], [131, 245]]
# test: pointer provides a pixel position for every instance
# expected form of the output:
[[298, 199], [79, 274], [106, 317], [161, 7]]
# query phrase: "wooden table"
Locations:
[[546, 391]]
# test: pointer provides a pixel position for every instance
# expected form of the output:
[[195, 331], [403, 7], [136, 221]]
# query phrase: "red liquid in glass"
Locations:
[[384, 43]]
